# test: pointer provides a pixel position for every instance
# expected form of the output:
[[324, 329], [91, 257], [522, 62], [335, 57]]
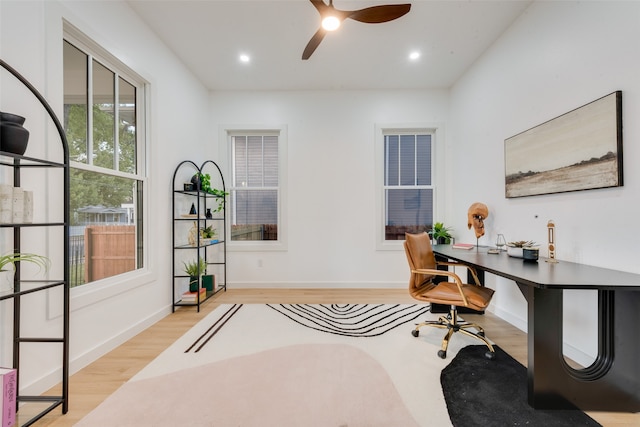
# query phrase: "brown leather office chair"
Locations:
[[423, 265]]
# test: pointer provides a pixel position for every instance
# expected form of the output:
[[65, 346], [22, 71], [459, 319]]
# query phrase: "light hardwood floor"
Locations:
[[96, 382]]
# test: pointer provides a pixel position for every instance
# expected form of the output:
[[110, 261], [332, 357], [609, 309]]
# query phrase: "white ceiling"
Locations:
[[209, 35]]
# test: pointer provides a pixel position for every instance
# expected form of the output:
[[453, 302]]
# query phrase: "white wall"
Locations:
[[331, 210], [556, 57], [109, 312]]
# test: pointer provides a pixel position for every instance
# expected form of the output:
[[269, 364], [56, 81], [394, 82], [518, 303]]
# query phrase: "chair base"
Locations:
[[450, 322]]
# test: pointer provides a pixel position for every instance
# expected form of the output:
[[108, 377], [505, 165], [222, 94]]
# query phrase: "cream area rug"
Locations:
[[292, 365]]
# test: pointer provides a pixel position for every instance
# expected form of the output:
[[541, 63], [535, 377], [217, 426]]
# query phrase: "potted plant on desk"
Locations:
[[441, 234]]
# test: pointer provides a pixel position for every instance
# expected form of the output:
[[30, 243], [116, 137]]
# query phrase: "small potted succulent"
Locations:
[[207, 235], [518, 248]]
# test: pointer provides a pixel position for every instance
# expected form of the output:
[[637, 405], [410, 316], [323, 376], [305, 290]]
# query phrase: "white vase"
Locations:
[[6, 204], [18, 205], [27, 214], [514, 252]]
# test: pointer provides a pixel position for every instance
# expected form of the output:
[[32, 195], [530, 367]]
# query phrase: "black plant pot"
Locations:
[[195, 180], [13, 136], [193, 284]]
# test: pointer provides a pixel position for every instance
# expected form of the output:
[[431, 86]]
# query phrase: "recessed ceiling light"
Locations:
[[244, 58], [414, 55]]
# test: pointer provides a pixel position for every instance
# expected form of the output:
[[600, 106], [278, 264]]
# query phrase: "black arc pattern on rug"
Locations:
[[352, 320]]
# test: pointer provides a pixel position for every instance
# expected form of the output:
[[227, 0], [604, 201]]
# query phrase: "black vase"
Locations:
[[13, 136]]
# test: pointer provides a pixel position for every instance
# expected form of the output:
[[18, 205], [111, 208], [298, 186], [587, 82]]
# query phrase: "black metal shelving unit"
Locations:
[[22, 285], [214, 253]]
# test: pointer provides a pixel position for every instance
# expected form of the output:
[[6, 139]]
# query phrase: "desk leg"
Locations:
[[612, 382]]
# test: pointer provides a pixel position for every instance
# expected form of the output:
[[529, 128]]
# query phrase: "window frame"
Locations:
[[91, 292], [226, 152], [437, 180]]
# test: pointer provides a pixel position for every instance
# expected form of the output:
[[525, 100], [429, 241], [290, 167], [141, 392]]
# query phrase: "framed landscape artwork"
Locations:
[[579, 150]]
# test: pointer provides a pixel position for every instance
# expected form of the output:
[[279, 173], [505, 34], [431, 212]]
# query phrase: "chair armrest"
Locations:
[[451, 274], [471, 269]]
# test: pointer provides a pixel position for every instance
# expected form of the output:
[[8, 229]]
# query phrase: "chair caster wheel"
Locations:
[[415, 332], [481, 333], [490, 355], [442, 354]]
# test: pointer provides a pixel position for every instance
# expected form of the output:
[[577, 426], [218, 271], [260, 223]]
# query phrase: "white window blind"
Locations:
[[255, 187], [408, 184]]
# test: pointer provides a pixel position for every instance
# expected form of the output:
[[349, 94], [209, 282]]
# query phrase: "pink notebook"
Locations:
[[9, 381]]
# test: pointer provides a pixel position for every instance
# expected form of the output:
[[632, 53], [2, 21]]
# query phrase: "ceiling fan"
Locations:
[[332, 18]]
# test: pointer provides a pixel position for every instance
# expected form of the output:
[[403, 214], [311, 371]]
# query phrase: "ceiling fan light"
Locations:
[[330, 23]]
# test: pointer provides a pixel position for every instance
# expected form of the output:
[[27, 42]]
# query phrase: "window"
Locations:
[[408, 184], [103, 103], [255, 190]]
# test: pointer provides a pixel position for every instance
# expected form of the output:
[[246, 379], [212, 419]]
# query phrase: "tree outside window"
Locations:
[[100, 111]]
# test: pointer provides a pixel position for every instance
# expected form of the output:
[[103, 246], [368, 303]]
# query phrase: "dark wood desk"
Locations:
[[612, 381]]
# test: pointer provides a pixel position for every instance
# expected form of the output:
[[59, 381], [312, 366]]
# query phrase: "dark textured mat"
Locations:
[[482, 392]]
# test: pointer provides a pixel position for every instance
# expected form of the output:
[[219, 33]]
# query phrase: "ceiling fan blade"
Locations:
[[313, 43], [320, 5], [378, 14], [328, 10]]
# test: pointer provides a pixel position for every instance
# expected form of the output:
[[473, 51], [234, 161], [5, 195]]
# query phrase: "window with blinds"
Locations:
[[408, 184], [255, 187]]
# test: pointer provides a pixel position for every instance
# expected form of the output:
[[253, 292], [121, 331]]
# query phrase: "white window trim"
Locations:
[[225, 134], [438, 153], [93, 292]]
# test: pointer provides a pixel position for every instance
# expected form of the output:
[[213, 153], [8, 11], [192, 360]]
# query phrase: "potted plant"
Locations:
[[12, 258], [517, 249], [195, 269], [207, 234], [202, 181], [440, 233]]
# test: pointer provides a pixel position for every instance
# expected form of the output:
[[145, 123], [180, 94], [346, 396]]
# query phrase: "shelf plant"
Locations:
[[202, 181], [12, 258], [208, 232], [195, 269]]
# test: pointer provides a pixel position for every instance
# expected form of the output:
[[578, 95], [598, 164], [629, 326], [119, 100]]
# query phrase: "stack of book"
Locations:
[[193, 296], [466, 246]]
